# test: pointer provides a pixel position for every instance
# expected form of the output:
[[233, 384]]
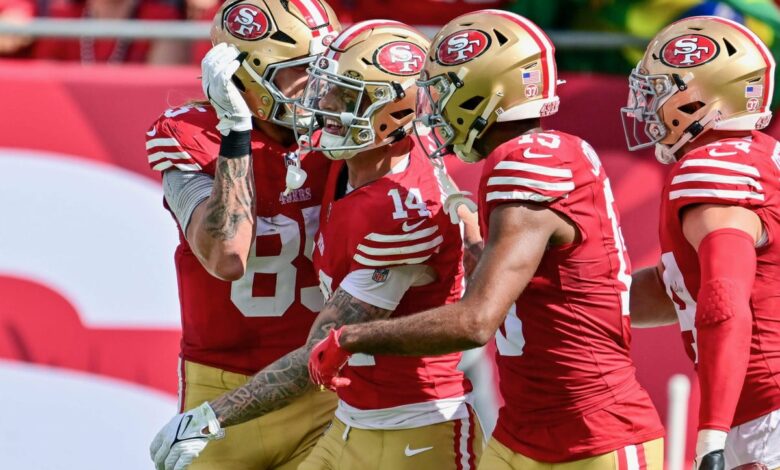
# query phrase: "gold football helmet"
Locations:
[[361, 91], [698, 74], [484, 67], [274, 36]]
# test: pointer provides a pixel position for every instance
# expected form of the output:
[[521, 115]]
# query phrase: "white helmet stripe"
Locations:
[[314, 14], [546, 47], [353, 31]]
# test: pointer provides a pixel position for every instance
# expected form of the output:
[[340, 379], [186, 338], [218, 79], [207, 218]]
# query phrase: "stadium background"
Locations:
[[88, 302]]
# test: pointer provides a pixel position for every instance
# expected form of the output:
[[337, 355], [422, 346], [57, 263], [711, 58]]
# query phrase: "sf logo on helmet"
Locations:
[[689, 50], [246, 22], [400, 58], [462, 46]]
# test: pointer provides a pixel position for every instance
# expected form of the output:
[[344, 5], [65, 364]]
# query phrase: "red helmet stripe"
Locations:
[[313, 13], [546, 47], [769, 74], [346, 36]]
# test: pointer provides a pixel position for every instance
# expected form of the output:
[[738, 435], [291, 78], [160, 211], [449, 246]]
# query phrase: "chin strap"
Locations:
[[454, 198], [481, 121], [666, 154]]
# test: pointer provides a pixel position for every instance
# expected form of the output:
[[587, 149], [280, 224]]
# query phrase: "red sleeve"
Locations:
[[528, 172], [183, 138], [720, 173], [723, 323]]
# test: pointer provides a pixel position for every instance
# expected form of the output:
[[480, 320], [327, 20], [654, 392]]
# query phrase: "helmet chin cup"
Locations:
[[336, 142], [467, 155], [664, 154]]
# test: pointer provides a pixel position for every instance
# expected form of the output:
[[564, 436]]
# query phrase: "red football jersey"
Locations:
[[243, 326], [737, 172], [393, 221], [563, 351]]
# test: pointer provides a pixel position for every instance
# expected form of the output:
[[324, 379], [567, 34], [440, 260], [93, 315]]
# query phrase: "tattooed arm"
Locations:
[[518, 238], [222, 227], [288, 378]]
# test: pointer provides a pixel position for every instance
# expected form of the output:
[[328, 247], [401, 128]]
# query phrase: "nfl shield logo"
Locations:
[[380, 275]]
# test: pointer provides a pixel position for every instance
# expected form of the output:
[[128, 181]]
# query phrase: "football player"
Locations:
[[700, 96], [554, 260], [248, 290], [386, 247]]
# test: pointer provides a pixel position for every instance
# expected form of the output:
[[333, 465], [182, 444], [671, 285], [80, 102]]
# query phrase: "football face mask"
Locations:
[[341, 108], [642, 124], [432, 97]]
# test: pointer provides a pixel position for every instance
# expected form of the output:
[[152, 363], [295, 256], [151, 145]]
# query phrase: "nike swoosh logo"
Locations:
[[152, 132], [412, 452], [408, 228], [186, 422], [527, 153]]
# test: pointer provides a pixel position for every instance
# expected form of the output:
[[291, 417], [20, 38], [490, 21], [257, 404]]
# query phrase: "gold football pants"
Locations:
[[452, 445], [646, 456], [280, 440]]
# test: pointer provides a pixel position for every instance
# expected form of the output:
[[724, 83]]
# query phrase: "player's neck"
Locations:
[[501, 132], [710, 137], [279, 134], [373, 164]]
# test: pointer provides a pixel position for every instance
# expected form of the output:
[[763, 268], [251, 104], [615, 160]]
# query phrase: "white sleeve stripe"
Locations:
[[531, 168], [375, 262], [518, 195], [378, 237], [162, 142], [712, 178], [181, 166], [169, 155], [401, 250], [188, 167], [510, 180], [738, 167], [716, 193]]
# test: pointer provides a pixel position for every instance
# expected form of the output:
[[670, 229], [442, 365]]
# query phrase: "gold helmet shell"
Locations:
[[273, 35], [698, 74], [374, 66], [485, 67]]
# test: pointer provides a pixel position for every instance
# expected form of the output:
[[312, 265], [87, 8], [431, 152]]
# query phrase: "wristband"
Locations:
[[236, 144]]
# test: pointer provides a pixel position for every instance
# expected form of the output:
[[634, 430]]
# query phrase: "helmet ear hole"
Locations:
[[691, 107], [675, 122], [383, 128], [460, 121]]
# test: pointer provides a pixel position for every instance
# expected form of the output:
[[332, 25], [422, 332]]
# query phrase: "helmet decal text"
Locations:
[[462, 46], [246, 21], [400, 58], [689, 50]]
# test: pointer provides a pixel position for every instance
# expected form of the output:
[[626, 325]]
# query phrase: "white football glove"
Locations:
[[217, 68], [184, 438]]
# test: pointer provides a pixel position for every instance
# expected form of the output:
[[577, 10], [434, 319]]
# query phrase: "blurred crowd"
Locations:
[[641, 18]]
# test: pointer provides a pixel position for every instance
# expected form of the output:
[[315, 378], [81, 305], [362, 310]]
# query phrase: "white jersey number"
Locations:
[[281, 266]]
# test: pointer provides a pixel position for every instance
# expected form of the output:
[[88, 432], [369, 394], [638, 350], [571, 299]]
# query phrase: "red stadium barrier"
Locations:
[[95, 117]]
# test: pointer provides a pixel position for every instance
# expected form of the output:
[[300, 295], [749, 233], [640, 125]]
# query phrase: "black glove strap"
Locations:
[[236, 144]]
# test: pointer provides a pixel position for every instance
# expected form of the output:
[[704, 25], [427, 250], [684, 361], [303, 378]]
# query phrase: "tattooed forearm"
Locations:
[[232, 201], [280, 383], [434, 332]]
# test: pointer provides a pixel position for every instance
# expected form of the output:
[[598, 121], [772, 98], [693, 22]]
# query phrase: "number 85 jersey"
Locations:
[[563, 351], [243, 326]]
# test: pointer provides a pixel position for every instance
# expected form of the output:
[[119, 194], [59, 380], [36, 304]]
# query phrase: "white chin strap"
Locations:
[[666, 154], [465, 149]]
